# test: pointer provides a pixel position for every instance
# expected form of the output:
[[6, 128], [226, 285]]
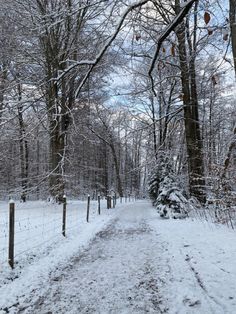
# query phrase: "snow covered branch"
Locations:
[[93, 63]]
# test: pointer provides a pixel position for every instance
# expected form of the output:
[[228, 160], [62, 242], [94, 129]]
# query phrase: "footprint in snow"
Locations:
[[190, 302]]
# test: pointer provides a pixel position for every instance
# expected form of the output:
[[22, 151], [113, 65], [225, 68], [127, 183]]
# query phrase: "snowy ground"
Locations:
[[38, 230], [130, 261]]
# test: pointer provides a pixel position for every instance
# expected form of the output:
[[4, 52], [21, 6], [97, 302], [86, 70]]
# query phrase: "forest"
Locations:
[[136, 97], [116, 115]]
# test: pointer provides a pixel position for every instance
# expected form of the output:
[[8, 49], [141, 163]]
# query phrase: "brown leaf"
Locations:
[[207, 17], [210, 31], [226, 37], [163, 50], [173, 50]]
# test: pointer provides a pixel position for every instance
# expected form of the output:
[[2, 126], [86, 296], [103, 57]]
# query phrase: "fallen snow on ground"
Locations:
[[131, 261], [202, 271], [38, 234], [38, 229]]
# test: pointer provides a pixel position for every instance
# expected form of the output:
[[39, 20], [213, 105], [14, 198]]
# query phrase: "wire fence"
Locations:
[[39, 225]]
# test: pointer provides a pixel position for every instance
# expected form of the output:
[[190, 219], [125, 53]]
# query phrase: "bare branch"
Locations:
[[94, 62], [178, 19]]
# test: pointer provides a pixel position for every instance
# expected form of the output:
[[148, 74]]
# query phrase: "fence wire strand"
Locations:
[[40, 226]]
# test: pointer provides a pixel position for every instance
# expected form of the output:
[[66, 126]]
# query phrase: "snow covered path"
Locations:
[[117, 273], [139, 263]]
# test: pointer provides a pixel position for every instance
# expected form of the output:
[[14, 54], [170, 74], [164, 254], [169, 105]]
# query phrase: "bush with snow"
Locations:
[[165, 192], [171, 202], [160, 171]]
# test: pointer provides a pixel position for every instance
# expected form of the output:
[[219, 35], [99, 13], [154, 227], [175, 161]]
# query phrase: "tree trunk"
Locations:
[[231, 149], [191, 118], [3, 77], [154, 132], [105, 169], [56, 185], [58, 124], [232, 18], [24, 152], [117, 170], [59, 94], [37, 166]]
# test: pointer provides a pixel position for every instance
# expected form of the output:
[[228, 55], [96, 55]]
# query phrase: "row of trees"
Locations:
[[92, 93]]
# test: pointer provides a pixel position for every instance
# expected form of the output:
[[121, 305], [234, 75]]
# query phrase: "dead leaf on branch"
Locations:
[[207, 17], [173, 50], [226, 37], [210, 31]]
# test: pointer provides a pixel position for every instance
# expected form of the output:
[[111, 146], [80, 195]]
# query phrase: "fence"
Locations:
[[27, 228]]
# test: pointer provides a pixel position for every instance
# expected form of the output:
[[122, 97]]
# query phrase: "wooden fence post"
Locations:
[[64, 217], [121, 199], [99, 205], [11, 233], [114, 202], [88, 207]]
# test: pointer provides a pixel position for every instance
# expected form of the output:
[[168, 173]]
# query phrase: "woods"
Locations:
[[94, 95], [117, 117]]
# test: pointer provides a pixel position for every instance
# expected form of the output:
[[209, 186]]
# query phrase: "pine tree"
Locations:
[[165, 192], [171, 202], [160, 171]]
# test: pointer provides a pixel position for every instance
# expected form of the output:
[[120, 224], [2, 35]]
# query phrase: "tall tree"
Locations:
[[191, 106], [232, 19]]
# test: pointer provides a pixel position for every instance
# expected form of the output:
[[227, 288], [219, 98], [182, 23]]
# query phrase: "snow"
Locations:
[[38, 229], [128, 260], [201, 258]]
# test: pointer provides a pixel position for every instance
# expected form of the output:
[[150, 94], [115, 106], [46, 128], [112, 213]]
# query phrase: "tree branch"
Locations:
[[177, 20], [94, 62]]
